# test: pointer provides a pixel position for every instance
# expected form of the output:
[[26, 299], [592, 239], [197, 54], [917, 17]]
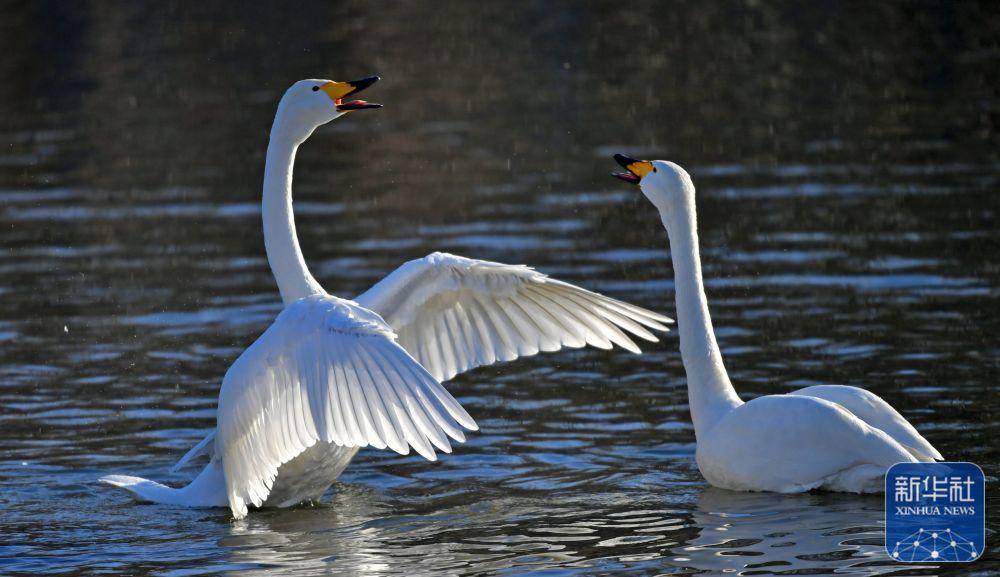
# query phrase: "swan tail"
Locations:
[[208, 489], [144, 489]]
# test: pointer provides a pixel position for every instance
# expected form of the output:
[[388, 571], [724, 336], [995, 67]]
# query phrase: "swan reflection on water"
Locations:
[[760, 533], [360, 533], [341, 533]]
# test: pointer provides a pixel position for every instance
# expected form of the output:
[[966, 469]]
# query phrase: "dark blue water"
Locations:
[[848, 181]]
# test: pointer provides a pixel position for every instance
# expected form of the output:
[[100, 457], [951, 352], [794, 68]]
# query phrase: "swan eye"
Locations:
[[654, 169], [315, 88]]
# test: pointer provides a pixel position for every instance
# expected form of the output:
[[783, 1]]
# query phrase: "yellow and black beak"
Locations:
[[337, 91], [636, 168]]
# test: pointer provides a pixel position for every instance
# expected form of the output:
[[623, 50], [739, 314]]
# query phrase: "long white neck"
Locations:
[[710, 394], [283, 252]]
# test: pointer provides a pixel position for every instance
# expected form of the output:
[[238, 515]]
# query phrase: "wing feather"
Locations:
[[446, 344], [326, 370], [487, 351], [354, 435], [873, 410], [465, 323], [605, 332], [454, 314], [334, 429], [462, 353], [391, 426], [205, 446], [546, 321], [415, 409], [365, 412], [506, 349], [528, 335], [610, 314], [404, 417], [566, 319], [425, 413]]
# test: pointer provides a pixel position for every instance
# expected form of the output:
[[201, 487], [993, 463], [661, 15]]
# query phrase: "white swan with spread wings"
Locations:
[[331, 375]]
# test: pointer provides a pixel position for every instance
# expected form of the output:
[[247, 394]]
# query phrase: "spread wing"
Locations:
[[454, 313], [325, 370]]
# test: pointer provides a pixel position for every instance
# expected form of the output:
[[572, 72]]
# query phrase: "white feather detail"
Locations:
[[454, 313], [326, 369]]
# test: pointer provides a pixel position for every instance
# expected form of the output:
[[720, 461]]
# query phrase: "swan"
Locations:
[[331, 375], [829, 437]]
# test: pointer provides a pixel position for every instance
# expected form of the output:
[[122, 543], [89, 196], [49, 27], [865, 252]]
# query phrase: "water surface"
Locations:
[[848, 176]]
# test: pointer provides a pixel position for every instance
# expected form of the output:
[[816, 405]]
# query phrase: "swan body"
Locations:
[[831, 437], [332, 375]]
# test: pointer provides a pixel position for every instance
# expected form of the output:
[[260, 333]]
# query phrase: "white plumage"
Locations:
[[454, 313], [331, 375], [326, 370], [877, 413], [832, 437]]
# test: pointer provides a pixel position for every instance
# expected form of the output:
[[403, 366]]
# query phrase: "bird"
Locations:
[[331, 375], [826, 437]]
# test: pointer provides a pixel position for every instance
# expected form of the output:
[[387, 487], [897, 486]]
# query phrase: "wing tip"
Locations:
[[630, 346], [466, 421], [426, 452]]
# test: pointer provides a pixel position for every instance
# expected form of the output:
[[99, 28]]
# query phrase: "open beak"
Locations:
[[338, 91], [636, 168]]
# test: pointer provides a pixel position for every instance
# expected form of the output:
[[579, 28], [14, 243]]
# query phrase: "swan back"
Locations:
[[792, 443]]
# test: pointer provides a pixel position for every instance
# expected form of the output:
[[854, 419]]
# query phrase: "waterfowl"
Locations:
[[331, 375], [831, 437]]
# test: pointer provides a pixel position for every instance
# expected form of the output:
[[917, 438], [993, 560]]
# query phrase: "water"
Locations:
[[847, 171]]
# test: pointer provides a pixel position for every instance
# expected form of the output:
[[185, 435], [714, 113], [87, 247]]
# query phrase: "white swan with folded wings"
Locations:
[[832, 437]]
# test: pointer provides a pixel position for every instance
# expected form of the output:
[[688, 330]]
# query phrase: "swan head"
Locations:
[[311, 103], [664, 183]]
